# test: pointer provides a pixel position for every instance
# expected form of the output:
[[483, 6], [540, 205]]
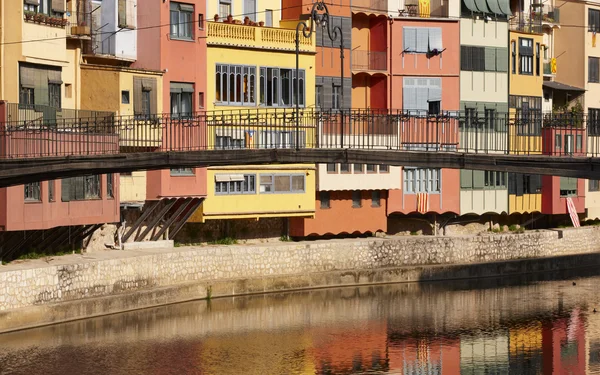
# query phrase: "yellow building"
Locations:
[[525, 106], [251, 91]]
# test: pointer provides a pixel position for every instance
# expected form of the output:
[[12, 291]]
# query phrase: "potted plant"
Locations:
[[247, 21], [63, 22], [261, 23], [29, 15], [216, 17], [230, 19], [39, 17]]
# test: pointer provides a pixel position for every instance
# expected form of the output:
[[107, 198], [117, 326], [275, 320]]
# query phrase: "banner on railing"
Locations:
[[573, 213], [422, 203]]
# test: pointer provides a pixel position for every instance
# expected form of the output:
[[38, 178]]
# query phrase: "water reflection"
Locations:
[[507, 326]]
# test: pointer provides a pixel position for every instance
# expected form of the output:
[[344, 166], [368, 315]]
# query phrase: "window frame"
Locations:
[[593, 69], [247, 186], [356, 199], [335, 168], [324, 200], [420, 180], [526, 66], [593, 185], [361, 170], [271, 87], [110, 186], [594, 20], [182, 172], [223, 87], [178, 35], [375, 198], [280, 175], [32, 192]]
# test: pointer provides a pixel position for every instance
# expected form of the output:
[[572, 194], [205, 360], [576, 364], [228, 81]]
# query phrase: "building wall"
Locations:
[[342, 217], [356, 180], [592, 95], [446, 201], [553, 203], [522, 84], [22, 215], [133, 187], [570, 44], [483, 201], [526, 203], [122, 44], [257, 205]]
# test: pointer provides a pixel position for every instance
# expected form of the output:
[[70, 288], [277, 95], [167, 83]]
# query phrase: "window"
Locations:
[[51, 197], [235, 85], [345, 168], [125, 97], [127, 14], [519, 184], [526, 56], [557, 142], [594, 20], [537, 59], [200, 100], [229, 142], [68, 90], [594, 185], [278, 87], [80, 188], [200, 21], [371, 168], [324, 199], [282, 183], [224, 8], [420, 92], [48, 7], [182, 20], [32, 192], [472, 58], [579, 143], [359, 168], [336, 97], [26, 96], [235, 184], [182, 171], [144, 97], [513, 56], [250, 9], [375, 198], [145, 103], [434, 107], [269, 17], [110, 187], [181, 99], [421, 180], [331, 168], [319, 96], [356, 199], [281, 139], [54, 99], [384, 168], [593, 71], [568, 187], [422, 39], [494, 180], [593, 122]]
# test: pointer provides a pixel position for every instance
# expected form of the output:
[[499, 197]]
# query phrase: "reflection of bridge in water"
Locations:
[[504, 326], [37, 145]]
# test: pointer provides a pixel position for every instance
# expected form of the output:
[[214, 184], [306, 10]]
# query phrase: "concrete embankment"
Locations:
[[77, 286]]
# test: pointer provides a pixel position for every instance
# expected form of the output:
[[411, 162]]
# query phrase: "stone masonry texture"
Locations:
[[22, 287]]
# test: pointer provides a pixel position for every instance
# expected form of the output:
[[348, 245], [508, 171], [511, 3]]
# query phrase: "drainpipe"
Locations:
[[391, 49]]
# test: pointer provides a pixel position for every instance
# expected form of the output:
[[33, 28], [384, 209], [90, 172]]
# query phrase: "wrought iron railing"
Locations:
[[526, 22], [369, 60], [27, 133]]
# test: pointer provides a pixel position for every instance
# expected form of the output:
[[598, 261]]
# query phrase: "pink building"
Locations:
[[78, 201], [180, 51], [424, 82]]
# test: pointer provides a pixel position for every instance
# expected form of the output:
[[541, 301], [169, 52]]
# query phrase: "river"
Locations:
[[535, 324]]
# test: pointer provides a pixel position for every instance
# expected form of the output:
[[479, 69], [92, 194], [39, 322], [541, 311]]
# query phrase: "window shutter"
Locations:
[[58, 6], [410, 39], [122, 13], [131, 18], [153, 95], [466, 179], [478, 180], [568, 183], [435, 38], [422, 98], [422, 39], [137, 95], [27, 76], [65, 186], [465, 58], [479, 58], [502, 59], [409, 98], [490, 59], [535, 183]]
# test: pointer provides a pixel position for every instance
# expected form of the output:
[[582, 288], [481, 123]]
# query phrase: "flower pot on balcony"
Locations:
[[261, 23], [80, 30], [29, 16], [230, 18], [247, 21], [216, 18]]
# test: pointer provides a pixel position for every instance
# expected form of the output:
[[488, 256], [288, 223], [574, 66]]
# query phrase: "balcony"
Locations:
[[526, 22], [79, 26], [44, 19], [369, 6], [435, 8], [550, 68], [550, 15], [231, 34], [369, 60]]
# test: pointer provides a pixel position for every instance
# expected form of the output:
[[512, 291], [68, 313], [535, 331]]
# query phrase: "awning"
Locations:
[[561, 86], [181, 87], [505, 7], [470, 4], [229, 177], [482, 6], [494, 6]]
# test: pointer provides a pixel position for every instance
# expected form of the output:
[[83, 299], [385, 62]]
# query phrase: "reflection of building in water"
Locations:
[[344, 349], [592, 338], [485, 354], [424, 356], [563, 344], [526, 349]]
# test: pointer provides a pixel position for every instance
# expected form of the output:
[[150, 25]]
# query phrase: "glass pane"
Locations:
[[298, 183], [282, 183], [174, 22]]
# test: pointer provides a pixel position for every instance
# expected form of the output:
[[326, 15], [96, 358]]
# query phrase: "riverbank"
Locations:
[[72, 287]]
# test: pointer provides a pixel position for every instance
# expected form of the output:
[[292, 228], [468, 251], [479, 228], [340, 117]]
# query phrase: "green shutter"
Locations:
[[490, 59], [502, 59], [466, 179], [65, 186], [568, 183], [478, 179]]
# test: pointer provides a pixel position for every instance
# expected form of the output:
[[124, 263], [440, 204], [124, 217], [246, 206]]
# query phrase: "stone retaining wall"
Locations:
[[235, 269]]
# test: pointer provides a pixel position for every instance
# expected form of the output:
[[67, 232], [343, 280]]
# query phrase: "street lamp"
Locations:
[[319, 16]]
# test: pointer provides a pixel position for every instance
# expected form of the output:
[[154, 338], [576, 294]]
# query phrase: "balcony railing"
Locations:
[[252, 36], [435, 8], [527, 22], [550, 14], [369, 5], [369, 60], [79, 25]]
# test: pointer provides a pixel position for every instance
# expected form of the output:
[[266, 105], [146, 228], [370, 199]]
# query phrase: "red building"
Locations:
[[179, 50], [564, 346]]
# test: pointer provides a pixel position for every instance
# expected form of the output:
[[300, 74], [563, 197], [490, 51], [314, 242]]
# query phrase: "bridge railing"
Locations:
[[38, 132]]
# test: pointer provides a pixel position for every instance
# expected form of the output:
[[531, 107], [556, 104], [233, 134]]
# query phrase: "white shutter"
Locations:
[[422, 98], [435, 38], [131, 14], [409, 98], [422, 39], [410, 39], [435, 89]]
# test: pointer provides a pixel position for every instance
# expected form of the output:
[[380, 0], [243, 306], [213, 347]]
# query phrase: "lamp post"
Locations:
[[319, 16]]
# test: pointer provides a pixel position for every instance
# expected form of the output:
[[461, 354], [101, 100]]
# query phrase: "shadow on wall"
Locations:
[[262, 230]]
